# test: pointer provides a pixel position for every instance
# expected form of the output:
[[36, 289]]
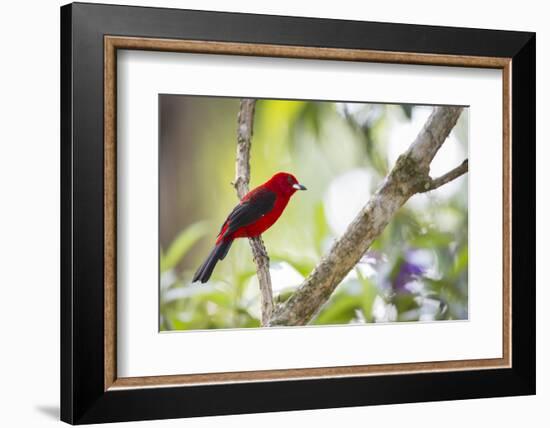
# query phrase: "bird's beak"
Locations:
[[298, 186]]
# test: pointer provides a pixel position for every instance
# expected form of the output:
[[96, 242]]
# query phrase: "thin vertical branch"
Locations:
[[245, 127]]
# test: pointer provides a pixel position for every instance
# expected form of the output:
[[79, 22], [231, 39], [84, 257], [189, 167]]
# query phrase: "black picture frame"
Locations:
[[83, 397]]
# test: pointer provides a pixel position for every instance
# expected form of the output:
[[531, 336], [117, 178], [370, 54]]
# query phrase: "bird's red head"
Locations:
[[285, 183]]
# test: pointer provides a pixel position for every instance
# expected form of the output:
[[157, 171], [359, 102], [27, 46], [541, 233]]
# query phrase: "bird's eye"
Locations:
[[289, 179]]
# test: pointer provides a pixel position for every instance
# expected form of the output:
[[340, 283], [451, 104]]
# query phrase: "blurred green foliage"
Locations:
[[416, 270]]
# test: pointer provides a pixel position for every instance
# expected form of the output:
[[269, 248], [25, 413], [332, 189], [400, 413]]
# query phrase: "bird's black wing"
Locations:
[[255, 206]]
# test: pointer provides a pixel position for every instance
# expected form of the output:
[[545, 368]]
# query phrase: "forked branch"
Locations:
[[409, 176], [434, 183]]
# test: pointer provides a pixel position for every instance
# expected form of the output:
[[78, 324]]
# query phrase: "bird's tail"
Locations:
[[218, 253]]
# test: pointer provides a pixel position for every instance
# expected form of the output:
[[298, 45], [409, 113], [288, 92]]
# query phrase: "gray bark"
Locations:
[[410, 175]]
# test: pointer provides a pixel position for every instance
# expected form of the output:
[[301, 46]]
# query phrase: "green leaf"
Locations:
[[431, 239], [182, 244], [404, 302], [340, 310], [461, 261]]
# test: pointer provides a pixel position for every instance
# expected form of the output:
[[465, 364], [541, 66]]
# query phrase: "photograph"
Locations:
[[262, 205]]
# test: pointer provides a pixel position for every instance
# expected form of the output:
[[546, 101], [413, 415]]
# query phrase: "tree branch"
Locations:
[[410, 175], [434, 183], [245, 127]]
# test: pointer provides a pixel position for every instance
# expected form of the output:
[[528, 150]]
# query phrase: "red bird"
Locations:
[[258, 210]]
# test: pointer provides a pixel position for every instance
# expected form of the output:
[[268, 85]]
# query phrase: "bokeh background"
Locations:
[[417, 270]]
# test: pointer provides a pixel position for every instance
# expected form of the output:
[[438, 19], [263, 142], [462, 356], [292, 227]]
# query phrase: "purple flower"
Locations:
[[408, 272]]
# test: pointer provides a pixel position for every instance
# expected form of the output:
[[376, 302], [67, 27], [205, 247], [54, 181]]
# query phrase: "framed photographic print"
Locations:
[[265, 213]]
